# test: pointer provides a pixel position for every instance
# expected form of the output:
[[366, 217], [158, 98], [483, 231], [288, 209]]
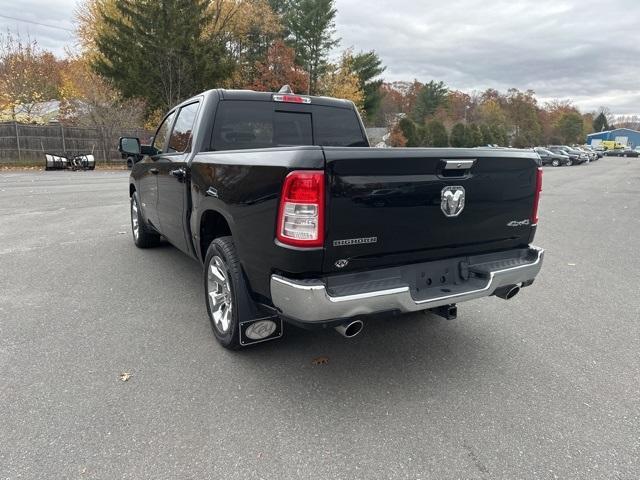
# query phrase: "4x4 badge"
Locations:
[[452, 201]]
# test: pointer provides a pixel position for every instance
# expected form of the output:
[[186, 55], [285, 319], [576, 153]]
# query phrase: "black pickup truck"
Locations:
[[296, 219]]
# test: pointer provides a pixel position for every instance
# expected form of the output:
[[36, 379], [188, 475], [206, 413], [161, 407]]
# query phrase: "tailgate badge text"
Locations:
[[354, 241]]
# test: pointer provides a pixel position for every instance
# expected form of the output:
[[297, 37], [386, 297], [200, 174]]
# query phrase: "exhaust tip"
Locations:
[[507, 293], [351, 329], [512, 293]]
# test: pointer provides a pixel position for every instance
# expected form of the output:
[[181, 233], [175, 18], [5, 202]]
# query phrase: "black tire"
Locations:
[[224, 249], [555, 162], [569, 162], [144, 237]]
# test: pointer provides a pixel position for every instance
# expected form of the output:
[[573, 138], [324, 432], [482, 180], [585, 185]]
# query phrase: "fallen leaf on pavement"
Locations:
[[320, 360], [124, 376]]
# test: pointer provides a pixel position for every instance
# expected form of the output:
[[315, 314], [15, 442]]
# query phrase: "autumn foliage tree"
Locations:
[[248, 29], [342, 81], [396, 137], [88, 100], [28, 76], [278, 69]]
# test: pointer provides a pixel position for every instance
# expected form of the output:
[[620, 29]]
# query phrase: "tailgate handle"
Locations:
[[458, 164], [455, 168]]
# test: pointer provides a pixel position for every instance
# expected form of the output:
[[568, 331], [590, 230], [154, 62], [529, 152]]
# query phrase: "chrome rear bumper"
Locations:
[[309, 301]]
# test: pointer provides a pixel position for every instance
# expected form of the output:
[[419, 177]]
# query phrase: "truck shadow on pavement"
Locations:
[[393, 350]]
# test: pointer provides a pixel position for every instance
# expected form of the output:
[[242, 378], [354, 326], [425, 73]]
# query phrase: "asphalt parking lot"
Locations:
[[546, 385]]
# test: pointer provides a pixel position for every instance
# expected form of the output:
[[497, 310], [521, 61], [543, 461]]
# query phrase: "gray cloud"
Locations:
[[585, 50], [58, 13]]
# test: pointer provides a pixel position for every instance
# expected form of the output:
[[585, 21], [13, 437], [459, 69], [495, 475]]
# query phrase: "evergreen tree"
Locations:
[[430, 97], [280, 6], [437, 134], [487, 134], [499, 135], [157, 51], [458, 135], [310, 25], [474, 136], [600, 123], [368, 66], [410, 132]]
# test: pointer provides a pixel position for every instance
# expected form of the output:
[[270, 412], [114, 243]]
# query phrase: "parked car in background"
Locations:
[[622, 152], [582, 156], [551, 158], [574, 158], [591, 149], [593, 156]]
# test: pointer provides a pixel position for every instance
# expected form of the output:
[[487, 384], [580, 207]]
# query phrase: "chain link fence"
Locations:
[[22, 144]]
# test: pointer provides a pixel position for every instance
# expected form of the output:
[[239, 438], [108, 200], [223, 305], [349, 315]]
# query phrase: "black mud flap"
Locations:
[[260, 330]]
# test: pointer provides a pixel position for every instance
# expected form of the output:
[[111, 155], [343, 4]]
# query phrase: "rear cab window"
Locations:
[[246, 124]]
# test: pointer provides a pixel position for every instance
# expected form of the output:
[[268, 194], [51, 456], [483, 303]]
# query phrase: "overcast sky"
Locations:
[[585, 50]]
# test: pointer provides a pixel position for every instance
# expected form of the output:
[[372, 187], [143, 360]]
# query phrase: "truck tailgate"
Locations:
[[384, 206]]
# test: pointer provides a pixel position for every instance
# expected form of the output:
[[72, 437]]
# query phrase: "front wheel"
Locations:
[[555, 162], [222, 277]]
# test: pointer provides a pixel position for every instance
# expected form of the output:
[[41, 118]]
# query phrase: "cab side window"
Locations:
[[180, 140], [160, 140]]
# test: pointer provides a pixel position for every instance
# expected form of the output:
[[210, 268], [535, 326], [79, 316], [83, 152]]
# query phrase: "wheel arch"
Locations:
[[213, 224]]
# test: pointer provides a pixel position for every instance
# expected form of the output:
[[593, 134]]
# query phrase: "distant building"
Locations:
[[41, 112], [376, 135], [625, 136]]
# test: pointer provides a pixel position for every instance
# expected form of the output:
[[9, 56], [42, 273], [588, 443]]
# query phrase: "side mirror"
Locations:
[[130, 145]]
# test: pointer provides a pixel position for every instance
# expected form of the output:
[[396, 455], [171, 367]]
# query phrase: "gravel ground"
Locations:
[[546, 385]]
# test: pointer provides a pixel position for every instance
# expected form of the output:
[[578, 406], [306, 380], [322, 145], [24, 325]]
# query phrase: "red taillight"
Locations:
[[536, 198], [301, 212], [290, 98]]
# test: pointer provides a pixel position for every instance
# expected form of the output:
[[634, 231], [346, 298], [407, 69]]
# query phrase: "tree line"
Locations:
[[433, 115], [138, 58]]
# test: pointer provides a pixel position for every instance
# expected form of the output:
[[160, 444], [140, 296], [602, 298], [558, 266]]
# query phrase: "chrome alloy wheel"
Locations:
[[219, 294], [135, 218]]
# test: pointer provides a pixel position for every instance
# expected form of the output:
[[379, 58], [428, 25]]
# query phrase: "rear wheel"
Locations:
[[143, 236], [222, 276], [569, 162]]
